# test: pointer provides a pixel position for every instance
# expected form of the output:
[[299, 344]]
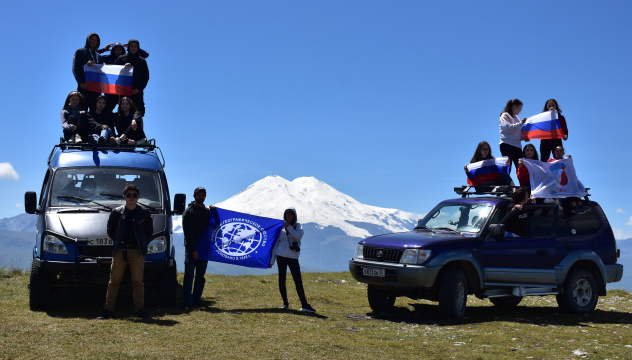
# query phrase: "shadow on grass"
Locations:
[[263, 311], [427, 314]]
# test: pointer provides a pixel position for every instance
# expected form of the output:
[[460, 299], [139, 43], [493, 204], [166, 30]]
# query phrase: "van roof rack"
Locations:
[[500, 190], [150, 145]]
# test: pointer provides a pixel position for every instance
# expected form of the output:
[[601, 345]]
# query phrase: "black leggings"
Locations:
[[514, 153], [295, 269], [547, 146]]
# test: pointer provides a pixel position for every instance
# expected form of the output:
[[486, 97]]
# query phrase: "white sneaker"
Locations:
[[519, 291], [78, 139]]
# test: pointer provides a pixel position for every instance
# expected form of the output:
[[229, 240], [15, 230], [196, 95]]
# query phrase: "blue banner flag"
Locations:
[[239, 239]]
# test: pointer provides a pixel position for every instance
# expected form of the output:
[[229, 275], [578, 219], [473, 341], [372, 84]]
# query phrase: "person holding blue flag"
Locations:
[[288, 251], [195, 221]]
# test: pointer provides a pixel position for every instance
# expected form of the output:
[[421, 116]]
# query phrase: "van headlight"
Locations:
[[157, 245], [415, 256], [54, 246], [359, 252]]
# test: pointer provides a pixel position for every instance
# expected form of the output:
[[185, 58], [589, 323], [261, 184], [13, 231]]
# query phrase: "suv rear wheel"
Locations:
[[380, 300], [453, 293], [579, 292]]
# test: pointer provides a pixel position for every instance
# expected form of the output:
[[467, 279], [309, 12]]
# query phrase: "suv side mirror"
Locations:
[[497, 231], [30, 202], [179, 202]]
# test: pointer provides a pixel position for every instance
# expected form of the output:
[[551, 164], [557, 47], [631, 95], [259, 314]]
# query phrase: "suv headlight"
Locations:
[[157, 245], [54, 246], [359, 252], [415, 256]]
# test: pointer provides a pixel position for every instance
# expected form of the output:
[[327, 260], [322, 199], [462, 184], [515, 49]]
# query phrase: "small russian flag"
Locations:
[[543, 126], [109, 79], [487, 170]]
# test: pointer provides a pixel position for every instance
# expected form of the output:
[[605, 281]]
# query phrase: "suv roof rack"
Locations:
[[150, 145], [500, 190]]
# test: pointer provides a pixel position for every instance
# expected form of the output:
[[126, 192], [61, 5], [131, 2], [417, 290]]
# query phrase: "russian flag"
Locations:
[[543, 126], [487, 170], [109, 79]]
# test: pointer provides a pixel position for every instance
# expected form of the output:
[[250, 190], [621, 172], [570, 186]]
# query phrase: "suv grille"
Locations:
[[385, 255]]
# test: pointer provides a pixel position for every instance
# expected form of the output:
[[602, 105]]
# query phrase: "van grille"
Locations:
[[385, 255], [95, 251]]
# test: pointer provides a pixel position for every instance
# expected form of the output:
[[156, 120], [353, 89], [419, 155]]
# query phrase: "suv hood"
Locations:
[[416, 239]]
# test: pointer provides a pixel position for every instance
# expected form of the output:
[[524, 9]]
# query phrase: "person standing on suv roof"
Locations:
[[511, 131], [548, 145], [130, 226], [86, 55], [141, 73], [195, 220], [288, 251]]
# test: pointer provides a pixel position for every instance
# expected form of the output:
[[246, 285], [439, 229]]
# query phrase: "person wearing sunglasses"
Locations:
[[130, 226]]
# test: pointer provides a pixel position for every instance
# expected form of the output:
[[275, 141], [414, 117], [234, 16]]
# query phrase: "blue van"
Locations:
[[82, 185]]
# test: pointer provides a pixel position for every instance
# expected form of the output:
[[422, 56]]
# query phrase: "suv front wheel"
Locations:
[[380, 300], [579, 292], [453, 293]]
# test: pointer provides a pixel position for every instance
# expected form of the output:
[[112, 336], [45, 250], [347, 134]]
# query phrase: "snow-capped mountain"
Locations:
[[318, 203]]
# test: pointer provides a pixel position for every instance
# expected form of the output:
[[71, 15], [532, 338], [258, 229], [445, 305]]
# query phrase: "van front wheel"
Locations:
[[39, 288]]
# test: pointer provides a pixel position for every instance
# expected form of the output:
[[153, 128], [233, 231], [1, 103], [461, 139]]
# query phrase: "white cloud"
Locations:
[[629, 222], [7, 172], [18, 205], [621, 234], [620, 211]]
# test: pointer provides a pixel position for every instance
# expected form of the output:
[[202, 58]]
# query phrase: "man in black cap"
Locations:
[[194, 222]]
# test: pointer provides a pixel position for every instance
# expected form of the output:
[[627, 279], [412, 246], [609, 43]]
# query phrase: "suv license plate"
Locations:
[[100, 242], [373, 272]]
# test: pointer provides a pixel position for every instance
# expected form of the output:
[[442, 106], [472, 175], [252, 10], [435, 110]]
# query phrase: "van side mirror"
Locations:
[[30, 202], [179, 203], [497, 231]]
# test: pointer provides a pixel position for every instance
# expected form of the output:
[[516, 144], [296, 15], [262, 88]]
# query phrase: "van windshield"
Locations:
[[81, 186], [461, 217]]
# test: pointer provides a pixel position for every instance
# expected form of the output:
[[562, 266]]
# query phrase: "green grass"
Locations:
[[241, 319]]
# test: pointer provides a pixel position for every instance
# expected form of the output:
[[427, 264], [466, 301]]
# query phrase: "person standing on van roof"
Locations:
[[130, 226], [86, 55], [195, 220], [117, 49], [141, 73]]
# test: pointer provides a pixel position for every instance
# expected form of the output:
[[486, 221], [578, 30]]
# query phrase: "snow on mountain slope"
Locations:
[[316, 202]]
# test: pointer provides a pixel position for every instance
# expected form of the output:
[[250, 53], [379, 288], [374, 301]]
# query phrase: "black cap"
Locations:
[[199, 188]]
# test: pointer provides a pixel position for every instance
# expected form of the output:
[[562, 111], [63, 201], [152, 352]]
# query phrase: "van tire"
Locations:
[[39, 289], [380, 300], [168, 285], [453, 293]]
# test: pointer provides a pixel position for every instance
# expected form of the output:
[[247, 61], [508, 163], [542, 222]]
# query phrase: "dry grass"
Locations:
[[241, 319]]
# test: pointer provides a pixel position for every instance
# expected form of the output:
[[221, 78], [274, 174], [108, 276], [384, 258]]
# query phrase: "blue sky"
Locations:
[[383, 100]]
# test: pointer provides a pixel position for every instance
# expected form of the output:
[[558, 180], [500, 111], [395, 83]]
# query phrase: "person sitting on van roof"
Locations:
[[129, 124], [74, 120], [102, 121], [141, 73], [86, 55]]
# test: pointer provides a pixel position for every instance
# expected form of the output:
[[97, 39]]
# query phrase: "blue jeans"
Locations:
[[105, 133], [192, 266]]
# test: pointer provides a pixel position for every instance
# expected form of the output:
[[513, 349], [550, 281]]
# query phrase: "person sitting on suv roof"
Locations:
[[530, 153], [570, 204], [484, 152]]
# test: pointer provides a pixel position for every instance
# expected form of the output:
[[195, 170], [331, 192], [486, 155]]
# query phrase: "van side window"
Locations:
[[585, 224], [46, 177]]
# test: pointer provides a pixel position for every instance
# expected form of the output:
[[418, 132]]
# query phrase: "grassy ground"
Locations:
[[241, 319]]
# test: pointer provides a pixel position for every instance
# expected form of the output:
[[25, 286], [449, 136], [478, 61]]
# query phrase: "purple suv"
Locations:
[[468, 246]]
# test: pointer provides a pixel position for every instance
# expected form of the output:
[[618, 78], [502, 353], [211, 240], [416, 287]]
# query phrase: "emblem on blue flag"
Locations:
[[240, 239]]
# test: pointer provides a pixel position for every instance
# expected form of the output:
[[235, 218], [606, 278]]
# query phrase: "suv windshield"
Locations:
[[92, 186], [460, 217]]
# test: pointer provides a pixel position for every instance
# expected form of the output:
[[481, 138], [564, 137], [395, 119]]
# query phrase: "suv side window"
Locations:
[[542, 222], [585, 224]]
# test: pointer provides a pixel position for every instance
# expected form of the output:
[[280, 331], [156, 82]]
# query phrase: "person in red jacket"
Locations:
[[548, 145], [528, 152]]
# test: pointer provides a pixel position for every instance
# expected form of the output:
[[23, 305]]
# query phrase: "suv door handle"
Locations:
[[542, 252]]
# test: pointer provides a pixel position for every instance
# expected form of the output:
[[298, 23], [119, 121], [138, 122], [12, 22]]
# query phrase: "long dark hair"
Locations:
[[132, 107], [509, 107], [477, 154], [557, 106], [74, 93], [535, 152]]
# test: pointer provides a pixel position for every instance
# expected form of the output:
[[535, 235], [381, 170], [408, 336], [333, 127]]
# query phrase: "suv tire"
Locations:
[[453, 293], [39, 288], [579, 294], [380, 300], [506, 301]]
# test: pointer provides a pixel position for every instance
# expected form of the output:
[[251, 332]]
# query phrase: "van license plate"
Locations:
[[100, 242], [373, 272]]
